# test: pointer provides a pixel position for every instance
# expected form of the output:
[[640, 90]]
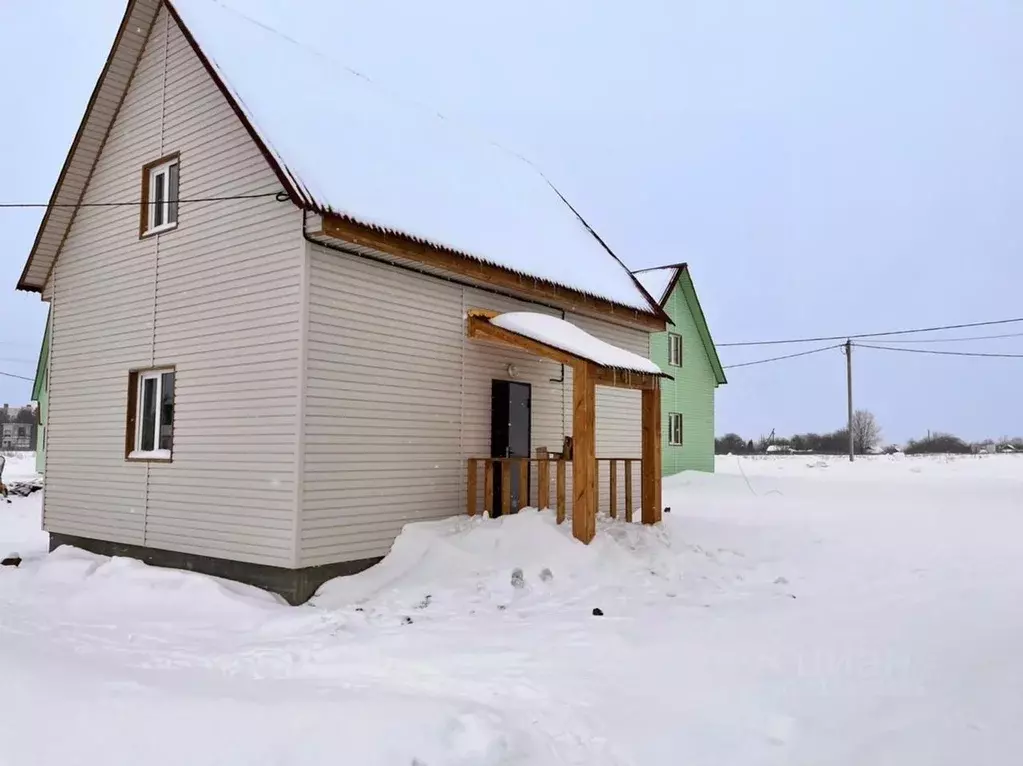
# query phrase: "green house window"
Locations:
[[675, 428], [674, 349]]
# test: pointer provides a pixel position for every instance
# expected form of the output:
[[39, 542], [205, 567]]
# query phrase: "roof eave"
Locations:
[[24, 283], [703, 327], [345, 228]]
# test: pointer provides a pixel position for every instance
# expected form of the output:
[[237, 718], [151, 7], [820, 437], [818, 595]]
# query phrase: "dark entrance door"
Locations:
[[510, 424]]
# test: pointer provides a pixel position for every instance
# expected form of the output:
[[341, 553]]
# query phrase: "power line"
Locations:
[[941, 353], [20, 377], [779, 358], [281, 197], [873, 334], [958, 340]]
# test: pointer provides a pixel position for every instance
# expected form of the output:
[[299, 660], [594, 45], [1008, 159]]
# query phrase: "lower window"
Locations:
[[150, 431], [675, 428]]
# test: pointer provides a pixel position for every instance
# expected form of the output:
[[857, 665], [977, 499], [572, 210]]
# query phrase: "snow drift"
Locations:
[[503, 559]]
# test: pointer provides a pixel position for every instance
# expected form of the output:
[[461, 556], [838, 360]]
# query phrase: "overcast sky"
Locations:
[[824, 167]]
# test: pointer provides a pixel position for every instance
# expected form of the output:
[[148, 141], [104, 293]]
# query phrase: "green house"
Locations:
[[40, 395], [686, 352]]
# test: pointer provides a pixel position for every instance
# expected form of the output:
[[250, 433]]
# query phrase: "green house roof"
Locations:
[[660, 282]]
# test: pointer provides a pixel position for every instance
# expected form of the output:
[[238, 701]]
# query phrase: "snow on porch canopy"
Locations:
[[565, 336]]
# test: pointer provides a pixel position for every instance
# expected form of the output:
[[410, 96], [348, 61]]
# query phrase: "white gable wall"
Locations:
[[218, 299]]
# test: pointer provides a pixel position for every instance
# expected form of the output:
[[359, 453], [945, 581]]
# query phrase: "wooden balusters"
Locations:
[[470, 487], [628, 491], [505, 487], [614, 489]]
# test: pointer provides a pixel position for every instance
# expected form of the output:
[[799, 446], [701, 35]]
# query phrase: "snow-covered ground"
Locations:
[[789, 611]]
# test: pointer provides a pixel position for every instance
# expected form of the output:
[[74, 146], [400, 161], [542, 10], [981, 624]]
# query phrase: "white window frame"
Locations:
[[674, 349], [675, 426], [156, 453], [163, 169]]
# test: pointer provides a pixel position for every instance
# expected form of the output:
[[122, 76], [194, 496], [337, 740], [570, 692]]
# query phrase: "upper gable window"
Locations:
[[674, 349], [159, 196]]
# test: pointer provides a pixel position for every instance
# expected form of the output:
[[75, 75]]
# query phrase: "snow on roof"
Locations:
[[567, 337], [354, 149], [657, 281]]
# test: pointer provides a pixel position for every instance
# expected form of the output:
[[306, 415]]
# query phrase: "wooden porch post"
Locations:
[[584, 452], [650, 481]]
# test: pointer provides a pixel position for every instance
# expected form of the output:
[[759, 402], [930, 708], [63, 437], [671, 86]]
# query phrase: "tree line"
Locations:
[[866, 439], [26, 414]]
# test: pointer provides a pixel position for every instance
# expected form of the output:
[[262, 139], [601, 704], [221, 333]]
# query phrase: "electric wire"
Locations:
[[940, 353], [825, 338], [779, 358], [280, 196], [20, 377]]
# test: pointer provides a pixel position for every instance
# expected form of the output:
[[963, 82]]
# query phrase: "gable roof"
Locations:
[[343, 146], [661, 282]]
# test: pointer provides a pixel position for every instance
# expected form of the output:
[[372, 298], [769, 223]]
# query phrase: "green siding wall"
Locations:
[[41, 432], [691, 393], [41, 396]]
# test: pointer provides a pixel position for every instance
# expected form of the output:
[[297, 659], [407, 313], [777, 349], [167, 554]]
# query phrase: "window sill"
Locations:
[[152, 456], [159, 230]]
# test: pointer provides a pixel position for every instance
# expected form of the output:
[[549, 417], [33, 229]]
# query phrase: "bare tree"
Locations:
[[866, 431]]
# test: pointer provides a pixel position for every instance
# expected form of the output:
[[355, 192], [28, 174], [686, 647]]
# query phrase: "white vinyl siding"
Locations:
[[397, 397], [217, 299]]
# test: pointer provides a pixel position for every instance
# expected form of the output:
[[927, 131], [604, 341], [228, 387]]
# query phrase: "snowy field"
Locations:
[[790, 611]]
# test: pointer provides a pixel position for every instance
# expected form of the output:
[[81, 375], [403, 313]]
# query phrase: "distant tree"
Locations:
[[866, 431], [25, 415], [834, 443], [938, 443], [749, 447], [730, 444]]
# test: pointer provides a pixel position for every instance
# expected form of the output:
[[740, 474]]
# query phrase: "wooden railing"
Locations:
[[613, 462], [545, 468]]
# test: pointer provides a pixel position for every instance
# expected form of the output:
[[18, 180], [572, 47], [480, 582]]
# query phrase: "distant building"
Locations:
[[17, 437]]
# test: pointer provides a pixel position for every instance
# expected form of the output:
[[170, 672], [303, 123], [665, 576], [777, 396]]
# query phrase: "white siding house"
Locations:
[[325, 391]]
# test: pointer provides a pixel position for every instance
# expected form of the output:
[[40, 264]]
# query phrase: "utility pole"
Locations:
[[848, 381]]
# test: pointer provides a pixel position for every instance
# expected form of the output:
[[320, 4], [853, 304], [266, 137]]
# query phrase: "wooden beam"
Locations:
[[651, 466], [495, 276], [584, 460], [480, 328], [470, 487]]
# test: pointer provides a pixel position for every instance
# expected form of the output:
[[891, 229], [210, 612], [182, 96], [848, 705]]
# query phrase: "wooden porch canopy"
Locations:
[[593, 363]]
